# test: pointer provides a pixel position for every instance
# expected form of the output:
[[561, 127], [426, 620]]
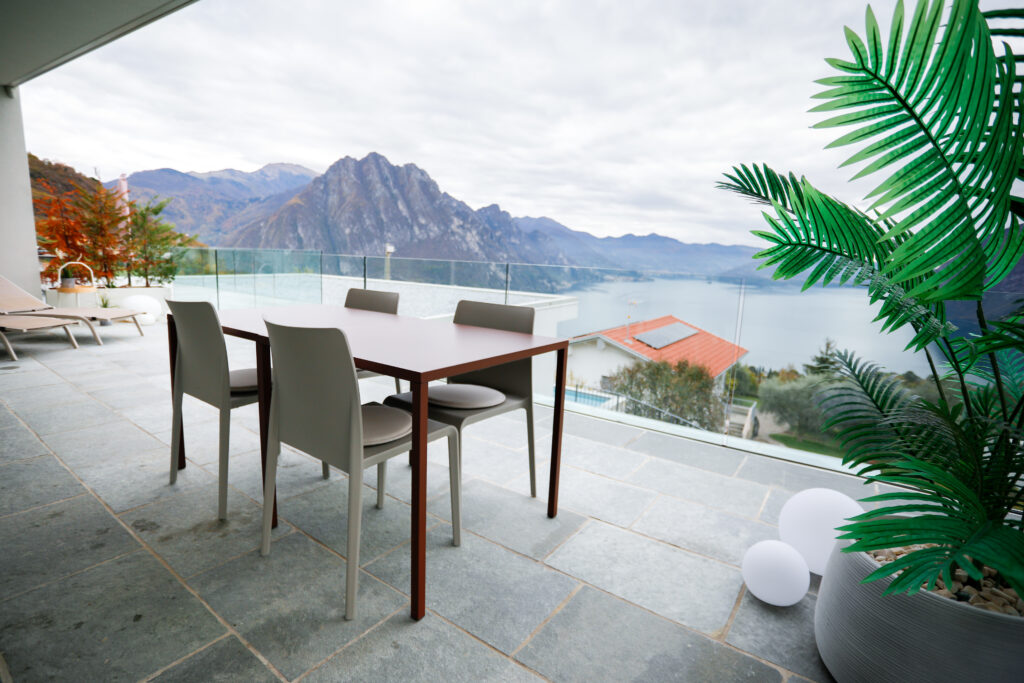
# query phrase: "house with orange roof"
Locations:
[[597, 355]]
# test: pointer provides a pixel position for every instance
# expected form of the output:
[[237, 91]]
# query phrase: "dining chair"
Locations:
[[315, 408], [201, 370], [373, 300], [481, 394]]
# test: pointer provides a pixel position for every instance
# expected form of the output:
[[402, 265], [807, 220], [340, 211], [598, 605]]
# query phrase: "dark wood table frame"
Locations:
[[417, 350]]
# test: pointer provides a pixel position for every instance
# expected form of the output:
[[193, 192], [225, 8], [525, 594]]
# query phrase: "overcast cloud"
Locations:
[[607, 116]]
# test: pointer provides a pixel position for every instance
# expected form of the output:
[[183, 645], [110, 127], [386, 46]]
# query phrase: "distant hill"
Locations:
[[63, 178], [210, 203]]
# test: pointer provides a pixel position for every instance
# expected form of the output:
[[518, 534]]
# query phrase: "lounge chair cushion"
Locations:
[[465, 396], [382, 424], [244, 380]]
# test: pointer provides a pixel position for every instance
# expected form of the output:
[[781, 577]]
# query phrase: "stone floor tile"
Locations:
[[296, 474], [688, 452], [144, 392], [93, 446], [491, 460], [118, 621], [597, 637], [29, 378], [18, 443], [493, 593], [21, 365], [49, 542], [513, 520], [155, 418], [603, 431], [501, 430], [139, 478], [49, 397], [226, 661], [702, 529], [795, 477], [185, 531], [692, 590], [323, 514], [26, 484], [682, 481], [7, 418], [69, 417], [599, 458], [290, 605], [773, 505], [399, 479], [428, 650], [782, 635], [202, 440]]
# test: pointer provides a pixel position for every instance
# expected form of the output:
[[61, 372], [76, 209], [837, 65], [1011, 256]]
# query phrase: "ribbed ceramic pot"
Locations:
[[865, 636]]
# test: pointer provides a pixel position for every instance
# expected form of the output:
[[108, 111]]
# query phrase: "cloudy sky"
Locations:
[[608, 116]]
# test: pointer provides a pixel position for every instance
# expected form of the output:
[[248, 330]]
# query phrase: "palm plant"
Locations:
[[938, 116]]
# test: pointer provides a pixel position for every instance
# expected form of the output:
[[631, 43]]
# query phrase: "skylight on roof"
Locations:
[[663, 336]]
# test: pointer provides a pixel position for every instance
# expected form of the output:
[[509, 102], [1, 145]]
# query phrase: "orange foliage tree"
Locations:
[[103, 225], [59, 228]]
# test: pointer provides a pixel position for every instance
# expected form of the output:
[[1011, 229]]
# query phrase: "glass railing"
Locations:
[[749, 347]]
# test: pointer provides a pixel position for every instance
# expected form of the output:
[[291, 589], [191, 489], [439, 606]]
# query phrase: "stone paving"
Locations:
[[109, 573]]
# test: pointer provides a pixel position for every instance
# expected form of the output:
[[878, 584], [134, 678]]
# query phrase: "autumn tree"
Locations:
[[683, 389], [103, 224], [59, 228], [150, 243]]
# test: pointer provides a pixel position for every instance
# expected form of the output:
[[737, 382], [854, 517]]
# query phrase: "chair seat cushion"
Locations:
[[244, 380], [465, 396], [382, 424]]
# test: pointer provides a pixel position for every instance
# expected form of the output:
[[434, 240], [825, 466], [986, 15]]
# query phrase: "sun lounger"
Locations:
[[16, 301], [31, 323]]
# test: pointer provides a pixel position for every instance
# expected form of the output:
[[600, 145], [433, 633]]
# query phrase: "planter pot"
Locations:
[[865, 636], [116, 296]]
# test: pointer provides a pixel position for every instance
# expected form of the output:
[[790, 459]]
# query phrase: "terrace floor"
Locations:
[[109, 573]]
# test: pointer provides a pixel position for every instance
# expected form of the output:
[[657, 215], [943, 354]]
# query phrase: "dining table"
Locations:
[[418, 350]]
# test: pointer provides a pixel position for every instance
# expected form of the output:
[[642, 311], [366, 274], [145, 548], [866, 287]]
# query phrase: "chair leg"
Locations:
[[532, 448], [7, 345], [71, 337], [455, 484], [355, 511], [138, 326], [175, 429], [222, 476], [269, 489], [382, 477], [326, 470], [92, 329], [398, 386]]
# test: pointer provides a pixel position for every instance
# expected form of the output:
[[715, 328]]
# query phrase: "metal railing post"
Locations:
[[364, 271], [216, 276], [508, 268]]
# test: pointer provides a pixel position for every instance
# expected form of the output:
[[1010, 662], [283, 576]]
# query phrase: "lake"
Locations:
[[780, 326]]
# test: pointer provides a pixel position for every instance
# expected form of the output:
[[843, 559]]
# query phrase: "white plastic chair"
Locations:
[[481, 394], [315, 408], [201, 370]]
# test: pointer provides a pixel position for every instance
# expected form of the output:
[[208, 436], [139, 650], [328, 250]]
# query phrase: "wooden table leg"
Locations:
[[172, 345], [263, 390], [556, 433], [419, 499]]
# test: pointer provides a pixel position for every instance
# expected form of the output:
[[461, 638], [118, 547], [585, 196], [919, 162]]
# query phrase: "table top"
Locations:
[[401, 346]]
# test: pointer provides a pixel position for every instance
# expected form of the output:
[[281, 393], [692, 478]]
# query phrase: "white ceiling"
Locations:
[[39, 35]]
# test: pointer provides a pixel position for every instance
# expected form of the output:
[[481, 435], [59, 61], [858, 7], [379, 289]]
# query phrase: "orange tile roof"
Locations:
[[703, 348]]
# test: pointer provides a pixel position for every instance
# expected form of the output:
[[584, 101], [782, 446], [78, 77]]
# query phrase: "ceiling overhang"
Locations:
[[39, 35]]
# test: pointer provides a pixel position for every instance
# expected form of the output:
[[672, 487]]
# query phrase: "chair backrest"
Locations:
[[201, 365], [372, 300], [315, 403], [14, 299], [515, 377]]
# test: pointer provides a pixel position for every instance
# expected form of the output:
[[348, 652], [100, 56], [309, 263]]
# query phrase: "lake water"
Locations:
[[780, 326]]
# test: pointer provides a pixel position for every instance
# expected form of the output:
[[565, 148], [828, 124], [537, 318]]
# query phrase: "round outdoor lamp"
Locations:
[[775, 573], [808, 522]]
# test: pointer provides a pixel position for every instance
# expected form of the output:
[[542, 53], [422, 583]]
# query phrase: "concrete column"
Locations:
[[18, 260]]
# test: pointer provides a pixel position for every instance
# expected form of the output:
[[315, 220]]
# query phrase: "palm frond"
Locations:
[[762, 185], [926, 105]]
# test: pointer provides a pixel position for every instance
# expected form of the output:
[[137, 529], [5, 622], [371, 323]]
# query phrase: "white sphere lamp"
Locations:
[[808, 522], [775, 573], [149, 306]]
